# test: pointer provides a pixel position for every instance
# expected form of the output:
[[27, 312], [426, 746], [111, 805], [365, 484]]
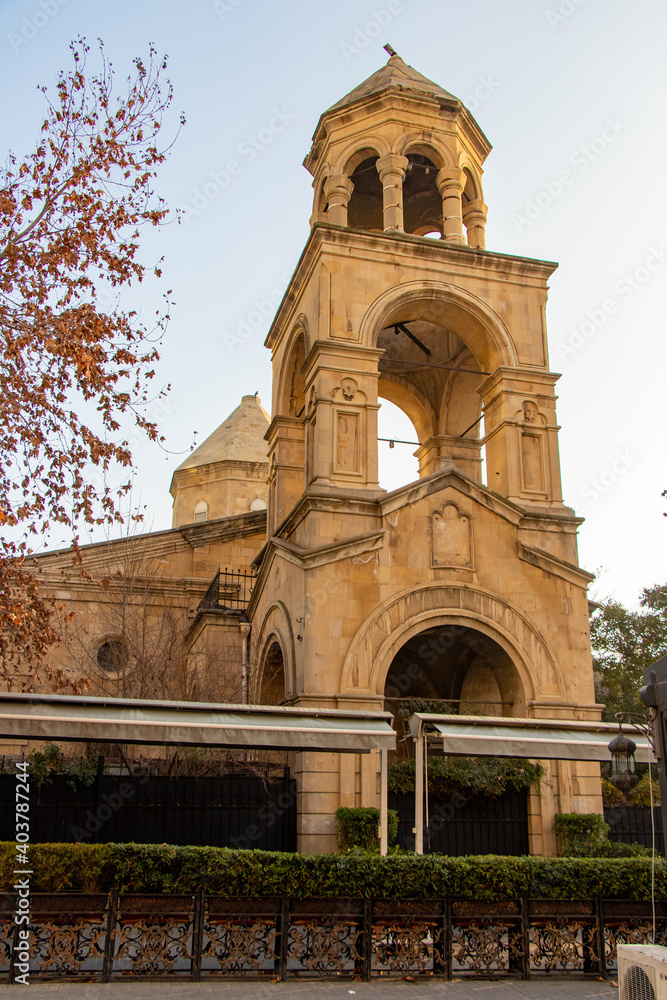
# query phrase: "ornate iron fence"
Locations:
[[93, 936]]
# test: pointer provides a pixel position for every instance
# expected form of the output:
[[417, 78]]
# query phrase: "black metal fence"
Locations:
[[230, 589], [228, 811], [632, 825], [460, 825], [94, 936]]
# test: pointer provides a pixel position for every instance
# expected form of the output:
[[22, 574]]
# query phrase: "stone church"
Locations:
[[462, 586]]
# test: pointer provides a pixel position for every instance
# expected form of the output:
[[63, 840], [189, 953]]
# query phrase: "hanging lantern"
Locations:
[[622, 750]]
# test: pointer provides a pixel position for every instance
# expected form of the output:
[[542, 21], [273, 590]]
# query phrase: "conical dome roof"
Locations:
[[396, 74], [240, 438]]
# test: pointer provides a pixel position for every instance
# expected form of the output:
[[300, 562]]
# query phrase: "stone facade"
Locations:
[[462, 586], [447, 588]]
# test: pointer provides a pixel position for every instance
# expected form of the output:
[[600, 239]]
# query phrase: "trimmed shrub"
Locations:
[[155, 869], [358, 827], [586, 835]]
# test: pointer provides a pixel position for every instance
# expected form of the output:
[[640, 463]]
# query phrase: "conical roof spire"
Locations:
[[395, 75], [240, 438]]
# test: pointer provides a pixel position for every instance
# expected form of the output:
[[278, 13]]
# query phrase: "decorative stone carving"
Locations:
[[451, 537], [347, 442], [532, 463]]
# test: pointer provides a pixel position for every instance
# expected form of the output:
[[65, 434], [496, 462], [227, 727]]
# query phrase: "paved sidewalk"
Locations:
[[380, 990]]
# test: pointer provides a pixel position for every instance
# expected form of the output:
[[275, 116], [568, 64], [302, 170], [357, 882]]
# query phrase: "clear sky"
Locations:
[[562, 88]]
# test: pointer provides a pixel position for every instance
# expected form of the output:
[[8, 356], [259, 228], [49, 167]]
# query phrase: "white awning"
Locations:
[[127, 720], [541, 739]]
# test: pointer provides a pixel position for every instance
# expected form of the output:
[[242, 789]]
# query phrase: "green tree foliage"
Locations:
[[624, 643]]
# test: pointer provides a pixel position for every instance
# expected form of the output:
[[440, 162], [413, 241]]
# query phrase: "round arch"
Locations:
[[291, 383], [404, 616], [478, 326], [435, 151], [358, 151], [408, 400], [275, 629]]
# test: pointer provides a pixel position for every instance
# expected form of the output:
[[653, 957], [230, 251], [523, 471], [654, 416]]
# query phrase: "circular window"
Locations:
[[112, 657], [258, 504]]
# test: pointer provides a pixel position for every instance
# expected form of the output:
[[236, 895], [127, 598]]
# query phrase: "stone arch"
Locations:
[[478, 326], [359, 150], [411, 402], [398, 619], [274, 630], [472, 185], [413, 142], [291, 391]]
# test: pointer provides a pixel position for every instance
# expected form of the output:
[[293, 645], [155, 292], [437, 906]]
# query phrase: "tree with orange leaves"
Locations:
[[74, 372]]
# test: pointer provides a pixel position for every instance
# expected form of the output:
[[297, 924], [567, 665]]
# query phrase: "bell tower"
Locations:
[[396, 297]]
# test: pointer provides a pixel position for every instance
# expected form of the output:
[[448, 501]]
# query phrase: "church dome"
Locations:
[[239, 438]]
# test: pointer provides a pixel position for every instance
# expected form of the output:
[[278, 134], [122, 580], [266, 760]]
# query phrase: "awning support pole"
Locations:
[[384, 833], [419, 791]]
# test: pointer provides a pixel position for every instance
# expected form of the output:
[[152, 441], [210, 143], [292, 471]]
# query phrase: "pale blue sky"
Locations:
[[544, 78]]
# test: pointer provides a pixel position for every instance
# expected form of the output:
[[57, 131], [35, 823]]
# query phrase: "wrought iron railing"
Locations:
[[94, 936], [229, 589]]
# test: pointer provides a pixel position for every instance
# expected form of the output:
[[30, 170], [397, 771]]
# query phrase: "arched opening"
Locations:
[[397, 442], [293, 398], [272, 690], [452, 669], [422, 203], [431, 373], [364, 210], [200, 512]]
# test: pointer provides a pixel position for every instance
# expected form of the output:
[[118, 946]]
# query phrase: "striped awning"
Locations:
[[540, 739], [128, 720]]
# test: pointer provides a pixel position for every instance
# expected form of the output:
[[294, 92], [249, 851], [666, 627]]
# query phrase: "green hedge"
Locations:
[[358, 827], [164, 869]]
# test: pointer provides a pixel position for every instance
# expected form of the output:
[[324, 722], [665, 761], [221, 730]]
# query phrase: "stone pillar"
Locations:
[[450, 186], [286, 468], [465, 453], [474, 218], [392, 173], [521, 436], [338, 190]]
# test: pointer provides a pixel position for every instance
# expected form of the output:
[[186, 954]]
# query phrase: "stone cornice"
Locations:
[[347, 548], [555, 566], [398, 245]]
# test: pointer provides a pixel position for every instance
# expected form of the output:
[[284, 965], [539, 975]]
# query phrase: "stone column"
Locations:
[[474, 218], [450, 186], [338, 190], [392, 172]]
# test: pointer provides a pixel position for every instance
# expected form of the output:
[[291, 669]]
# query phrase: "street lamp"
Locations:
[[622, 750]]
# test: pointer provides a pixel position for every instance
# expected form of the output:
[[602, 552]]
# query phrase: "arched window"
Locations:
[[364, 210], [201, 512], [112, 657], [422, 203]]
